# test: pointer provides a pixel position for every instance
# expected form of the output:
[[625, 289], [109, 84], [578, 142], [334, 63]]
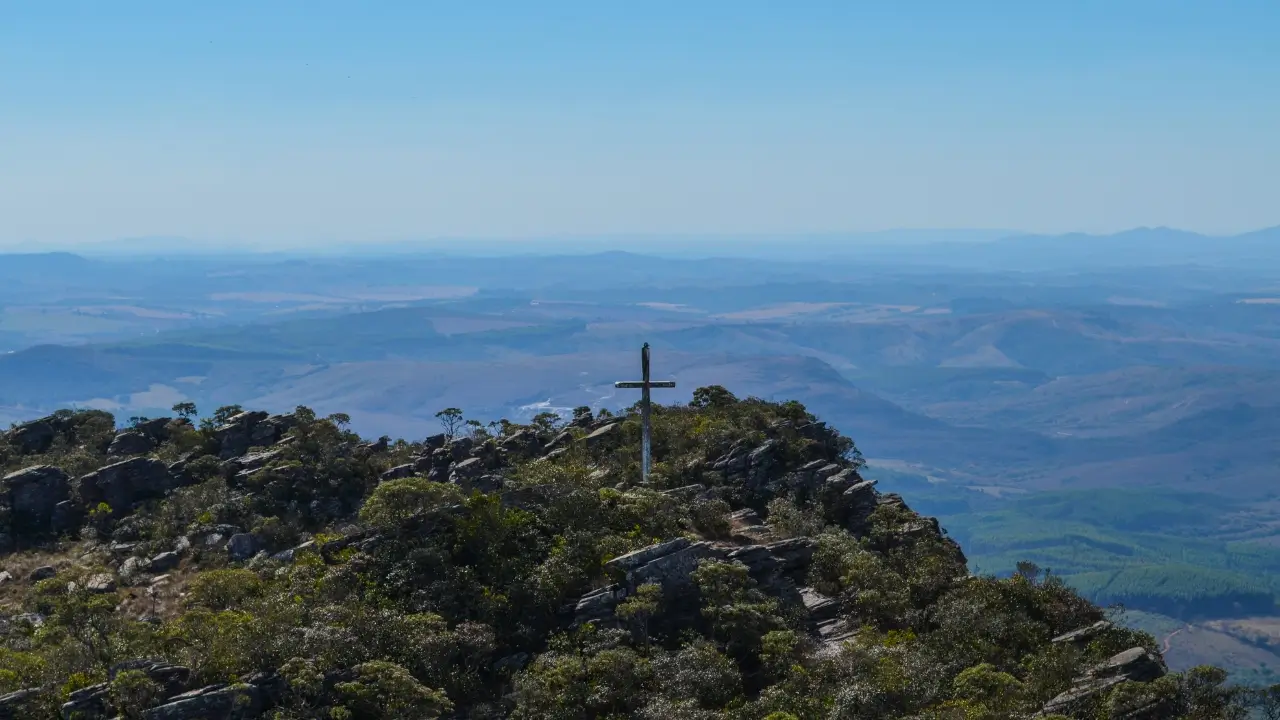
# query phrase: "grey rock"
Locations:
[[603, 436], [488, 483], [247, 465], [598, 605], [512, 663], [674, 571], [35, 620], [242, 546], [1133, 665], [422, 464], [521, 443], [1084, 635], [130, 442], [240, 701], [33, 495], [66, 517], [398, 472], [558, 442], [288, 555], [632, 560], [251, 429], [156, 428], [182, 544], [460, 447], [5, 577], [88, 703], [34, 437], [435, 442], [821, 608], [126, 483], [44, 572], [131, 566], [164, 562], [17, 704], [172, 679], [688, 493], [235, 436], [101, 583], [463, 472]]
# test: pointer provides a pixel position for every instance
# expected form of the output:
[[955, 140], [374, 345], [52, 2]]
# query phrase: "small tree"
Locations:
[[185, 410], [642, 605], [342, 420], [712, 396], [546, 422], [451, 419], [224, 414], [132, 692]]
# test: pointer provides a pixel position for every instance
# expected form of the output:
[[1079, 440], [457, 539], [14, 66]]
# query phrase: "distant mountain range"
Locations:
[[964, 248]]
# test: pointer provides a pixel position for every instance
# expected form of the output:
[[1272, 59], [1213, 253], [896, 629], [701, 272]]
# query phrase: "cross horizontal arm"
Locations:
[[662, 383], [639, 384]]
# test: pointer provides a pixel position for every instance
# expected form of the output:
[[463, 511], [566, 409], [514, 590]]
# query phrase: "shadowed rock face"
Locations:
[[35, 437], [32, 496], [125, 483], [130, 442]]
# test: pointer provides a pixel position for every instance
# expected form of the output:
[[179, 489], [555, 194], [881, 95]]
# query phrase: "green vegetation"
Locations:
[[1188, 555], [313, 575]]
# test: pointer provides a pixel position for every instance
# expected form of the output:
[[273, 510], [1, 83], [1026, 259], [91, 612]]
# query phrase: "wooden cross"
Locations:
[[644, 385]]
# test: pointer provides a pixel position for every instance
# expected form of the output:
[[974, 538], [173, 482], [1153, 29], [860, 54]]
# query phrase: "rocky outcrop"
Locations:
[[34, 437], [240, 701], [243, 546], [1084, 635], [93, 702], [251, 429], [130, 442], [32, 496], [398, 472], [774, 567], [17, 705], [124, 484], [604, 436], [1133, 665]]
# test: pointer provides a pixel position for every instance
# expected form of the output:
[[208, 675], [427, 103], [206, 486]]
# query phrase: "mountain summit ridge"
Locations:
[[255, 565]]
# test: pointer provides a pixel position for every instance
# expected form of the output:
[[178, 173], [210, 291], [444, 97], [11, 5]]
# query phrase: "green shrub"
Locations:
[[396, 500]]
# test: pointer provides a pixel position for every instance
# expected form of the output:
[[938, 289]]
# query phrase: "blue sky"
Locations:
[[286, 122]]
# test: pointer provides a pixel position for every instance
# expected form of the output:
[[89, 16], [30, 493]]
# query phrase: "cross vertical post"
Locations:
[[644, 385]]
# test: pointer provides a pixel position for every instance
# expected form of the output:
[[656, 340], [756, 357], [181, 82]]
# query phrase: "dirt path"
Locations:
[[1164, 645]]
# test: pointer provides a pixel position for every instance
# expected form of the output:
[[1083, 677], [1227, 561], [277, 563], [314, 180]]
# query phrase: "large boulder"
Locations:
[[239, 701], [251, 429], [130, 442], [157, 429], [604, 436], [1133, 665], [520, 444], [127, 483], [398, 472], [465, 472], [34, 437], [243, 546], [33, 495], [19, 704]]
